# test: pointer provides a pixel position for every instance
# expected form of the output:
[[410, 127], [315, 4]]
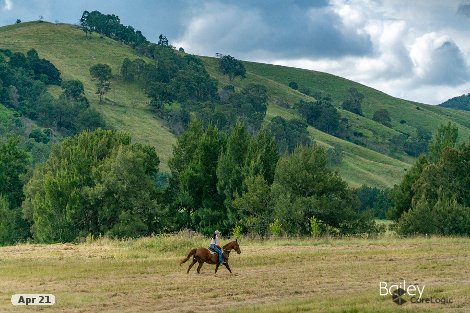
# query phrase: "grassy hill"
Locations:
[[127, 107]]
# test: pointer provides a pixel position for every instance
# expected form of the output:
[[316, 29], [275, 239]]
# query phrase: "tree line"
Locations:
[[100, 183]]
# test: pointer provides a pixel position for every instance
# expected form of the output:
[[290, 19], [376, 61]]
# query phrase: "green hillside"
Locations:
[[127, 106], [73, 55]]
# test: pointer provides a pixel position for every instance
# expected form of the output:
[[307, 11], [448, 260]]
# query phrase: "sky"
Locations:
[[413, 49]]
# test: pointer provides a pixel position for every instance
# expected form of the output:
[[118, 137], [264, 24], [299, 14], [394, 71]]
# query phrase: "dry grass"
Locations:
[[283, 275]]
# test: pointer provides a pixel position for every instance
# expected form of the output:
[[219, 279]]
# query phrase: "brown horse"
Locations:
[[202, 255]]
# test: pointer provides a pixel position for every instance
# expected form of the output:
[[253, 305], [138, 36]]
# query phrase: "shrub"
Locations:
[[446, 217], [294, 85], [275, 228], [315, 229]]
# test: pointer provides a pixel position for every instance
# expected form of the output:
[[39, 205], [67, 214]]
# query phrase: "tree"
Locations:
[[402, 194], [195, 202], [321, 114], [231, 67], [13, 166], [102, 73], [127, 70], [162, 40], [417, 145], [354, 101], [255, 205], [11, 223], [14, 162], [441, 202], [375, 199], [383, 117], [289, 133], [294, 85], [253, 105], [231, 164], [84, 23], [43, 69], [304, 187], [89, 185], [446, 137], [73, 90]]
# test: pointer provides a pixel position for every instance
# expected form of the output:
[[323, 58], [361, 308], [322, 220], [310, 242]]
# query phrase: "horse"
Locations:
[[202, 255]]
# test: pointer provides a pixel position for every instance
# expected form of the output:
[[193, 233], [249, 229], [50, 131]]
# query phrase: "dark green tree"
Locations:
[[195, 201], [294, 85], [383, 117], [231, 165], [304, 187], [441, 202], [320, 114], [14, 163], [289, 133], [353, 102], [231, 67], [402, 194], [255, 206], [162, 40]]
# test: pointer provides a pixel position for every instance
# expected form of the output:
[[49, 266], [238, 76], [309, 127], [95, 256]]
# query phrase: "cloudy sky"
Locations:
[[413, 49]]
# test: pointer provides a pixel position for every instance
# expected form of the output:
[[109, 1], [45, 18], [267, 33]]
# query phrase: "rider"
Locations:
[[215, 245]]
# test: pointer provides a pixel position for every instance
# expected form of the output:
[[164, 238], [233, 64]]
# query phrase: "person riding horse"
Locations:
[[215, 246], [204, 255]]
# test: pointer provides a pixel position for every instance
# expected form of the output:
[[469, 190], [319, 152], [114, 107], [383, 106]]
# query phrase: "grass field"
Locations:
[[278, 275]]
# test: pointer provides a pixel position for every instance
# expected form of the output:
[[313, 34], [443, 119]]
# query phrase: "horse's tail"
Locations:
[[192, 252]]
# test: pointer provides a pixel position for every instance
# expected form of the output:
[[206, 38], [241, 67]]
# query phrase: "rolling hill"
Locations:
[[127, 106]]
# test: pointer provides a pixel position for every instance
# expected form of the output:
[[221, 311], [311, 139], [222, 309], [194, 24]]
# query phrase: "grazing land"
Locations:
[[277, 275]]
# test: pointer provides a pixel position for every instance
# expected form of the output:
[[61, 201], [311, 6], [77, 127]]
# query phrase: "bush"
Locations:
[[236, 231], [38, 135], [383, 117], [129, 226], [294, 85], [446, 217], [275, 228], [315, 229]]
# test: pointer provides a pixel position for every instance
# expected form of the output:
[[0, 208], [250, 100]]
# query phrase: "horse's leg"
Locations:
[[228, 267], [191, 265], [199, 267], [217, 267]]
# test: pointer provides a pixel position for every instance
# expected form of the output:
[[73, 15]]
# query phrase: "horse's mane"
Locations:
[[228, 244]]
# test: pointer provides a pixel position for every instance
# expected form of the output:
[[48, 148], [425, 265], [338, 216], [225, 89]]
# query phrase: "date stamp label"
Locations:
[[33, 299]]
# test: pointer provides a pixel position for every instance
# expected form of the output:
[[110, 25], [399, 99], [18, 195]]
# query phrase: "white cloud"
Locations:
[[7, 5], [413, 58], [221, 29]]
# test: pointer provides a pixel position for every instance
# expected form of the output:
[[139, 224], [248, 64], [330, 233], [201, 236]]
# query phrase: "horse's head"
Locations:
[[233, 245], [236, 246]]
